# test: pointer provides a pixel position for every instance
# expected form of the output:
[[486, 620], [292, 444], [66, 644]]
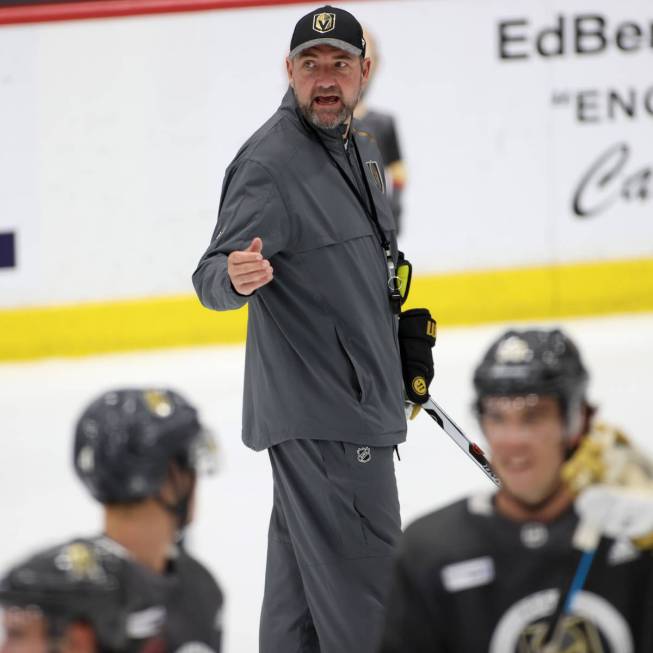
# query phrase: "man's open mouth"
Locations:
[[326, 100]]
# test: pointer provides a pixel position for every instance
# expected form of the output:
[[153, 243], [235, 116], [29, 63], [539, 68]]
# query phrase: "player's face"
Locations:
[[327, 83], [526, 437], [25, 632]]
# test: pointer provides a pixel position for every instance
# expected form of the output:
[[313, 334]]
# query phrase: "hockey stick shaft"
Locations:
[[586, 538], [579, 579], [552, 642], [471, 449]]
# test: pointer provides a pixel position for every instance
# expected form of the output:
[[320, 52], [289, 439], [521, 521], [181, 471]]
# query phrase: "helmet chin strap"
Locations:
[[181, 508], [578, 426], [178, 510]]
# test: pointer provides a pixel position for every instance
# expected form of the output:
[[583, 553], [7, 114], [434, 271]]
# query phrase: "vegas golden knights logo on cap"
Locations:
[[324, 22]]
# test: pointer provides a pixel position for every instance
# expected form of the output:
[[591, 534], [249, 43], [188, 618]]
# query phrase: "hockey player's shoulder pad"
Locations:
[[606, 455]]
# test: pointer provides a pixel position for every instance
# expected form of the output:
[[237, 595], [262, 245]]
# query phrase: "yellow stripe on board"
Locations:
[[116, 326], [454, 299], [537, 292]]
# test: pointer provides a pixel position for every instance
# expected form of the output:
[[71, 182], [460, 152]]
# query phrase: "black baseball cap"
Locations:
[[328, 25]]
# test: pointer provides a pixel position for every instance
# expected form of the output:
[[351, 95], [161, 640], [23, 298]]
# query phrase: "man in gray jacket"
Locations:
[[306, 237]]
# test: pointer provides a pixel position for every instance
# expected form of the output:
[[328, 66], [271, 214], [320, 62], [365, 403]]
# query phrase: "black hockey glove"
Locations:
[[417, 333]]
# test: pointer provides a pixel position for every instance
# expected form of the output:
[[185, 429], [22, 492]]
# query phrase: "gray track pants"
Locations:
[[334, 526]]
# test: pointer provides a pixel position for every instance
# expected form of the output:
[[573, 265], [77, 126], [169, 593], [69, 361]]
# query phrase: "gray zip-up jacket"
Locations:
[[322, 359]]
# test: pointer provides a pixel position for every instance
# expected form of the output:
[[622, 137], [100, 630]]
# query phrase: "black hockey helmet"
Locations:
[[533, 361], [125, 439], [81, 581]]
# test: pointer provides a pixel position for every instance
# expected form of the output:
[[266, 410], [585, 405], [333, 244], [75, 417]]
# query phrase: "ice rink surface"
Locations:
[[42, 502]]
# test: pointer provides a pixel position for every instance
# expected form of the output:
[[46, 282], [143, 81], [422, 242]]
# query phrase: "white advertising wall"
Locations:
[[526, 127]]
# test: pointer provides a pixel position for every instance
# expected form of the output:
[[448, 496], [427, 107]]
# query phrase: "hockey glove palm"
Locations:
[[619, 512], [614, 484], [417, 334]]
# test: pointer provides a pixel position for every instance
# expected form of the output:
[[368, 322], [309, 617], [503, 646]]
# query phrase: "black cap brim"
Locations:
[[334, 43]]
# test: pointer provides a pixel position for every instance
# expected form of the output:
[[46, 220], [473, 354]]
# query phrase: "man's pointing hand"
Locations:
[[248, 270]]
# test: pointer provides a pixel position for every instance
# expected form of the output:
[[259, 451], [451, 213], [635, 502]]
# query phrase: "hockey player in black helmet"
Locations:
[[138, 452], [77, 598], [134, 446], [532, 381], [493, 573], [132, 588]]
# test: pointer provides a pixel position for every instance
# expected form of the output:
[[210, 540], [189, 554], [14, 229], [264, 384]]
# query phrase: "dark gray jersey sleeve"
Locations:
[[250, 206]]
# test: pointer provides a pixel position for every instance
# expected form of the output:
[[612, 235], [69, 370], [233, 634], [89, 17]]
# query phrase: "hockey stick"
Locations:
[[458, 436], [587, 539]]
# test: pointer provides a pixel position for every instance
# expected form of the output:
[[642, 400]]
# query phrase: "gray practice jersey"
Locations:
[[381, 126]]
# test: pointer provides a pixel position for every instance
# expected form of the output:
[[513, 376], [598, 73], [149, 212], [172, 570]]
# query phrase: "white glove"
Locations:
[[618, 512]]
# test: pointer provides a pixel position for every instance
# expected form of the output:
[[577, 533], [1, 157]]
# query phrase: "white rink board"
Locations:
[[41, 502], [115, 134]]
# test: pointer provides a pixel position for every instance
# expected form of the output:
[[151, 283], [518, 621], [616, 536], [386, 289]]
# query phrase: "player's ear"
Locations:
[[79, 638], [289, 71], [365, 68]]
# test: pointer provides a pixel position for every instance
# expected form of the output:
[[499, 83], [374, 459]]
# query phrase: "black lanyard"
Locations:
[[370, 211], [394, 282]]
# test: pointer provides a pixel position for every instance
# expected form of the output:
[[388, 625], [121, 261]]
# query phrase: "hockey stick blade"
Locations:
[[457, 435]]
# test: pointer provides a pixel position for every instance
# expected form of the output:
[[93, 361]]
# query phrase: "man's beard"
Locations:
[[330, 120]]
